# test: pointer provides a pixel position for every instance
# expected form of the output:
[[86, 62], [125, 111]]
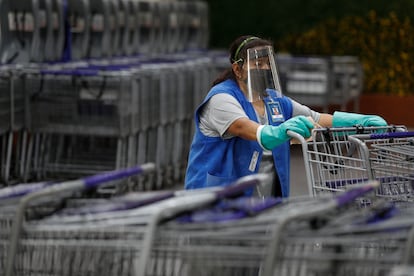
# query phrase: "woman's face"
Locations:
[[260, 63]]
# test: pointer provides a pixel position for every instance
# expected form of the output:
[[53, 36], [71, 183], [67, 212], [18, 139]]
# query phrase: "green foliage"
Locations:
[[385, 46]]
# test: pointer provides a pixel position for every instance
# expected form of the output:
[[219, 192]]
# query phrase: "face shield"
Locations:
[[261, 73]]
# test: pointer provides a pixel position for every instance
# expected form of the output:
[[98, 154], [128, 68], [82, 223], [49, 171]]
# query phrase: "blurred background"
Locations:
[[377, 32]]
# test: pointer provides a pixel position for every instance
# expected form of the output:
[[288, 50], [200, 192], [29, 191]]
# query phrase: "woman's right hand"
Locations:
[[270, 137]]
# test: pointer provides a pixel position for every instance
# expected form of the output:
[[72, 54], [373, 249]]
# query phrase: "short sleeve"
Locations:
[[219, 113], [300, 109]]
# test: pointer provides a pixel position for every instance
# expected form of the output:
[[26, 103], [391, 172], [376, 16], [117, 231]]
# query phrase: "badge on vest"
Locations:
[[253, 161], [276, 113]]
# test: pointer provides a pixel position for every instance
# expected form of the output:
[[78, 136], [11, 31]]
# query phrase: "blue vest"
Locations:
[[214, 161]]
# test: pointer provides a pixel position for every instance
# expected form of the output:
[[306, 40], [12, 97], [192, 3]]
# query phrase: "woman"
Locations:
[[241, 125]]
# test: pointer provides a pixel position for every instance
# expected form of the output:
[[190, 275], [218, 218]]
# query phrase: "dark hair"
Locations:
[[238, 53]]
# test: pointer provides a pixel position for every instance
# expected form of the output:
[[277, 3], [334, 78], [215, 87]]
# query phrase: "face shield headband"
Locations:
[[236, 58]]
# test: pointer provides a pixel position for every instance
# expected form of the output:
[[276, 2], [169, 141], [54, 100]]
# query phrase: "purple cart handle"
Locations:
[[70, 72], [241, 185], [392, 135], [96, 180], [22, 189], [352, 194]]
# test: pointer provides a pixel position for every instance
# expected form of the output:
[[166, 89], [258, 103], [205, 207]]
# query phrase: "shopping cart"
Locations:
[[102, 237], [389, 158], [332, 163], [355, 242], [306, 236], [27, 202], [216, 232]]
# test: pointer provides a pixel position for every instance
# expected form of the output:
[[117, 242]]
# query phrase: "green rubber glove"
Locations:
[[345, 119], [271, 136]]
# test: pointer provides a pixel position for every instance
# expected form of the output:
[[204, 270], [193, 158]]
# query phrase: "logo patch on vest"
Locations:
[[275, 112]]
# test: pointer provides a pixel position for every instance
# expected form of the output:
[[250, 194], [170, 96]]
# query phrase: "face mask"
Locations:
[[260, 80]]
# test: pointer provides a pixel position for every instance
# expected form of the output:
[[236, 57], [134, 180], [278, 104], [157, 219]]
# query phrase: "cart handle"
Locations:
[[98, 179], [356, 192], [392, 135], [296, 135], [241, 185], [71, 72]]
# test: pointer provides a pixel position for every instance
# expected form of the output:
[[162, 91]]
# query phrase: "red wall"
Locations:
[[395, 110]]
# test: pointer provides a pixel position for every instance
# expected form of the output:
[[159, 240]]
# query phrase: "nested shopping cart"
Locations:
[[308, 236], [96, 236], [389, 158], [332, 162], [23, 203], [211, 232]]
